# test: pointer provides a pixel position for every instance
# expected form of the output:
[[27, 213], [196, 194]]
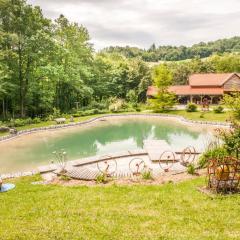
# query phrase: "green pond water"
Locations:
[[103, 137]]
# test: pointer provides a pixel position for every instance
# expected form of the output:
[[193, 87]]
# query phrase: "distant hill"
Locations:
[[173, 53]]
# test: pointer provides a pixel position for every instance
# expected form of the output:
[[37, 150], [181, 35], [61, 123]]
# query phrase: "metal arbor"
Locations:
[[223, 174], [136, 166], [188, 156], [166, 160], [108, 167]]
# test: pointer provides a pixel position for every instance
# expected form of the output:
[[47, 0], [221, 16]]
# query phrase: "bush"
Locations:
[[36, 120], [218, 152], [218, 109], [99, 105], [90, 112], [117, 105], [56, 113], [102, 178], [233, 102], [231, 139], [28, 121], [191, 107], [191, 169], [19, 123], [147, 175]]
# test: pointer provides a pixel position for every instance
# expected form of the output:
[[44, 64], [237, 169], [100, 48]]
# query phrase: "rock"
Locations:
[[13, 131], [60, 120], [71, 119], [4, 129]]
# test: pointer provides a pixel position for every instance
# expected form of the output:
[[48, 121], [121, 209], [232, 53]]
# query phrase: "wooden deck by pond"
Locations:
[[155, 148], [156, 155]]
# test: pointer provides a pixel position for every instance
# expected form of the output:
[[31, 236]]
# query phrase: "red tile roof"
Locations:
[[187, 90], [209, 79], [199, 84]]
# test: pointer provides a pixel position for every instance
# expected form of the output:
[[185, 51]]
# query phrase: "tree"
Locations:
[[233, 102], [73, 61], [162, 79], [132, 98], [24, 27]]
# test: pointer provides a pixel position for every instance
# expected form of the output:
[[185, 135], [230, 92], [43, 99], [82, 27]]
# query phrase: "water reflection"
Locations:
[[105, 137]]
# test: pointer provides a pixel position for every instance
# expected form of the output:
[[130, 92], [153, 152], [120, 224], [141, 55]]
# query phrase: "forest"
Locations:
[[174, 53], [49, 66]]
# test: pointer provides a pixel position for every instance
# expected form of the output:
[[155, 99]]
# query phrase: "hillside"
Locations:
[[174, 53]]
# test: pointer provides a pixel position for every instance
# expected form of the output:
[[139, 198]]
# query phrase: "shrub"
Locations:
[[218, 152], [11, 123], [56, 113], [36, 120], [218, 109], [95, 111], [65, 178], [233, 102], [77, 114], [99, 105], [19, 123], [231, 139], [50, 117], [117, 105], [191, 107], [147, 175], [90, 112], [191, 169], [102, 178], [28, 121], [132, 98]]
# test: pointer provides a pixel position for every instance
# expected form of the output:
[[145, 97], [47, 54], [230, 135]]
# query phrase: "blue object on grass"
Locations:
[[6, 187]]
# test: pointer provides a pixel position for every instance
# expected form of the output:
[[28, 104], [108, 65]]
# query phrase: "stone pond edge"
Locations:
[[52, 127], [93, 159]]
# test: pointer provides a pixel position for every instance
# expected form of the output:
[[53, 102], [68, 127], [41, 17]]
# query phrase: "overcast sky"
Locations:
[[143, 22]]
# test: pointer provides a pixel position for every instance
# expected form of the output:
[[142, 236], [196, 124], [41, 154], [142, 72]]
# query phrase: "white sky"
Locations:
[[143, 22]]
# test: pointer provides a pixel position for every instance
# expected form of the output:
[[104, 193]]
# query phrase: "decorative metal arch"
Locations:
[[166, 160], [188, 155], [105, 166], [136, 166]]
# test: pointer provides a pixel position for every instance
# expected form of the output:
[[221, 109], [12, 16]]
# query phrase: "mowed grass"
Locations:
[[200, 116], [171, 211]]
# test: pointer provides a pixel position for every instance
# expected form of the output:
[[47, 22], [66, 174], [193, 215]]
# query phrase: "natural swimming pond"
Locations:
[[98, 138]]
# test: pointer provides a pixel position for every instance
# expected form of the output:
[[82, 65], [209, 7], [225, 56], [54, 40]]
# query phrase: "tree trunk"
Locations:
[[20, 76], [3, 108]]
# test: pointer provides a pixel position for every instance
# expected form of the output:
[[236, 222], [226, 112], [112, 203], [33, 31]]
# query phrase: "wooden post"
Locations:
[[211, 99], [191, 98]]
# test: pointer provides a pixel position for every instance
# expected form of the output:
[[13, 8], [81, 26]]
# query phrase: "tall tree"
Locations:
[[24, 26], [74, 60], [162, 79]]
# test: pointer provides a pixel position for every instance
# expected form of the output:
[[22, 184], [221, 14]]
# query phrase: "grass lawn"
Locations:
[[208, 116], [117, 212]]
